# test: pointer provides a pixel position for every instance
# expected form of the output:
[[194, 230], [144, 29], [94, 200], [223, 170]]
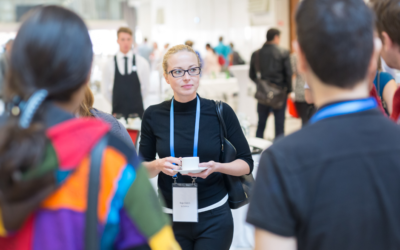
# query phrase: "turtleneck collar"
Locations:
[[186, 107]]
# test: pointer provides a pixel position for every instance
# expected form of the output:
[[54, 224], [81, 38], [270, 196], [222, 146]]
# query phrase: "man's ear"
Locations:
[[387, 41], [302, 65]]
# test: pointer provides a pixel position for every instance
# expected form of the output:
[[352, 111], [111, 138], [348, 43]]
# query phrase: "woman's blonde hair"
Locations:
[[87, 103], [175, 50]]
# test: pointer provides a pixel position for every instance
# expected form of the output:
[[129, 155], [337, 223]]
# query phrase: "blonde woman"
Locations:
[[210, 226]]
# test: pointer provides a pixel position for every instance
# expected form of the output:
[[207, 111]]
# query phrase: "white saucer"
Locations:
[[191, 171]]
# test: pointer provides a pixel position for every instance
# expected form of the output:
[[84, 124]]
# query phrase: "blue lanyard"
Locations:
[[344, 108], [196, 129]]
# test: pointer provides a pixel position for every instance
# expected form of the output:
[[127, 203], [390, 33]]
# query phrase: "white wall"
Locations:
[[228, 18]]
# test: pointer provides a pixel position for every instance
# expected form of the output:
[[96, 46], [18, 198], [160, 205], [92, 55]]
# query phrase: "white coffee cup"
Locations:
[[190, 163]]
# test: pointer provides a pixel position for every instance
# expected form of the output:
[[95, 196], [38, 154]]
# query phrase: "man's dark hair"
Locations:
[[337, 39], [221, 39], [388, 18], [271, 33]]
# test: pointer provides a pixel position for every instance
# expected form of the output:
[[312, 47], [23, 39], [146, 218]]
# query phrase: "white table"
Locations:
[[219, 89]]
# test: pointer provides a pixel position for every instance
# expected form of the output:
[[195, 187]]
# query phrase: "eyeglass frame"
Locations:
[[184, 72]]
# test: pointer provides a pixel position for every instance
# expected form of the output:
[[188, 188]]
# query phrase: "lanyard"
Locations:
[[344, 108], [196, 129]]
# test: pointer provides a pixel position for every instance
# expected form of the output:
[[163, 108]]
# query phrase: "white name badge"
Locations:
[[184, 202], [134, 68]]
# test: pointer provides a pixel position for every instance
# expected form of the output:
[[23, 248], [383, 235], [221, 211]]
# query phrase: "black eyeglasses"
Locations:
[[181, 72]]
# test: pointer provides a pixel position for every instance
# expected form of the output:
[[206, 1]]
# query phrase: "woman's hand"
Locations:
[[211, 168], [166, 165]]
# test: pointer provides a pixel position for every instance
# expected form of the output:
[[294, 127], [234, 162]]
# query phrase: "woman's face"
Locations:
[[184, 87]]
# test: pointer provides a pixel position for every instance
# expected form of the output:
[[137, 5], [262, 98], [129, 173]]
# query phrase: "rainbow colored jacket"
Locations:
[[130, 216]]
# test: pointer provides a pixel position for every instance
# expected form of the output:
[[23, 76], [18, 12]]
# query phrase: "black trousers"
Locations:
[[214, 231], [303, 109], [263, 113]]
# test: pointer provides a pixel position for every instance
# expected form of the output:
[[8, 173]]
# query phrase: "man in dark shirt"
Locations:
[[335, 183], [273, 64]]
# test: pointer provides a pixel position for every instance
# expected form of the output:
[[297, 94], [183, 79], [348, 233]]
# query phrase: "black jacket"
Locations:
[[274, 66]]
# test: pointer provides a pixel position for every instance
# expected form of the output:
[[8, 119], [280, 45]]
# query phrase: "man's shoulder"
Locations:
[[284, 52], [339, 135]]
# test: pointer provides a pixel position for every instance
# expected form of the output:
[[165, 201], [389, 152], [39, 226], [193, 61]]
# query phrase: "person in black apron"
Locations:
[[127, 97]]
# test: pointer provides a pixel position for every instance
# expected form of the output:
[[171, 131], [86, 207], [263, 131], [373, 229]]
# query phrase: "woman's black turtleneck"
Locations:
[[155, 138]]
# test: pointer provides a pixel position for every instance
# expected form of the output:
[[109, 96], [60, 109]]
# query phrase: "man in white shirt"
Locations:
[[125, 78]]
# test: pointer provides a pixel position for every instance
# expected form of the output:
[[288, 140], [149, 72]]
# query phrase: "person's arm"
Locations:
[[108, 79], [273, 206], [265, 240], [166, 165], [253, 71], [287, 71], [244, 162], [143, 68], [148, 150], [388, 94]]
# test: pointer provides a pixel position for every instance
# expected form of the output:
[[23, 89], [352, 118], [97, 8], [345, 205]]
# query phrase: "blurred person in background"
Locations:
[[86, 109], [335, 183], [385, 86], [126, 78], [4, 65], [234, 57], [302, 106], [388, 26], [274, 65], [45, 152], [211, 64], [155, 57], [223, 50], [145, 50], [190, 44]]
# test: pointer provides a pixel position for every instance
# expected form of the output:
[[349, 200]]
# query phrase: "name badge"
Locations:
[[134, 68], [184, 202]]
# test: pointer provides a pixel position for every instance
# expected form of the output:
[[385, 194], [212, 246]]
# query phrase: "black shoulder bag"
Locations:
[[268, 93], [238, 186], [91, 219]]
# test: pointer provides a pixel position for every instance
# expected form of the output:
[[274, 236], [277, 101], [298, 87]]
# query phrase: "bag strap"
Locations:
[[91, 217], [222, 127]]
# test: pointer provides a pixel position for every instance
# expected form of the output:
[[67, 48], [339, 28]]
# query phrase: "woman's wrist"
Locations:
[[157, 165], [218, 167]]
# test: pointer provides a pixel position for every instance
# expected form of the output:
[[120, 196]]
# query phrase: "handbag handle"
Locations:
[[91, 217], [223, 133]]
